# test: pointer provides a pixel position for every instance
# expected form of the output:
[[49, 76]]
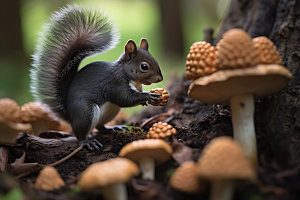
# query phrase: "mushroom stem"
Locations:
[[221, 190], [242, 108], [116, 191], [147, 166]]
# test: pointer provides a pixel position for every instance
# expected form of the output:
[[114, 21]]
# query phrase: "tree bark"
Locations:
[[278, 116]]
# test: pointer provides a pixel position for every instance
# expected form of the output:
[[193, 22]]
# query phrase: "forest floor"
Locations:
[[196, 123]]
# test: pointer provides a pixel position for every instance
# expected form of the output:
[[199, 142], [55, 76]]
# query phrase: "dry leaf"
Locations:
[[181, 152]]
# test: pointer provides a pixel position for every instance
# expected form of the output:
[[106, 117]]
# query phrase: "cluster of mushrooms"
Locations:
[[235, 72], [32, 117]]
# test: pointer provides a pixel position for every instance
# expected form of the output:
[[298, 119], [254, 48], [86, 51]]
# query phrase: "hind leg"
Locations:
[[108, 112], [84, 118]]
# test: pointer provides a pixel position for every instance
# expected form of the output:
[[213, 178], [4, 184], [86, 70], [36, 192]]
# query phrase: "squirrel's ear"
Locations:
[[130, 48], [144, 44]]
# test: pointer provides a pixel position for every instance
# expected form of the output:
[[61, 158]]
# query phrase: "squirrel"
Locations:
[[92, 96]]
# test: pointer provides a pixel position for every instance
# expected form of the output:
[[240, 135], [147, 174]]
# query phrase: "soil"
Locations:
[[196, 123]]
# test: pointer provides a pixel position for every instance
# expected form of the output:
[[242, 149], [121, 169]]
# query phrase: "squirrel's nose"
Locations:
[[159, 79]]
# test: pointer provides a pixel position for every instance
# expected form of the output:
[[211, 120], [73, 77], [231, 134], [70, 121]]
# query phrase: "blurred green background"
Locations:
[[171, 27]]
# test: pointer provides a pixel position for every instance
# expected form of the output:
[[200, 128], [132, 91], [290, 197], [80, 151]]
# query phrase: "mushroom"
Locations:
[[164, 95], [237, 83], [10, 119], [40, 117], [110, 176], [161, 130], [48, 180], [201, 60], [221, 162], [185, 178], [147, 153]]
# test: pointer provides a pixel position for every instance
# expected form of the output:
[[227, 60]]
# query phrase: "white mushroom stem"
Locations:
[[147, 167], [242, 108], [221, 190], [116, 191]]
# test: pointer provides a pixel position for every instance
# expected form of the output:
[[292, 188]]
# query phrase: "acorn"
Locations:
[[164, 95], [201, 60], [161, 130]]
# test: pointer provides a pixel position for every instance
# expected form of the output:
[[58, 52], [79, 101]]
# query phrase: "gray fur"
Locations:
[[72, 34]]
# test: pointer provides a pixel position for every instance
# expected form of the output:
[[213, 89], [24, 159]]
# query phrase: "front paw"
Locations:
[[154, 98]]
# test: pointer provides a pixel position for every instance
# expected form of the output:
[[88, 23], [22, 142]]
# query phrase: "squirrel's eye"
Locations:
[[144, 67]]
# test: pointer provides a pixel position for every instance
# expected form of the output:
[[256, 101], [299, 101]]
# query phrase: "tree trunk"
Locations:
[[171, 27], [277, 117]]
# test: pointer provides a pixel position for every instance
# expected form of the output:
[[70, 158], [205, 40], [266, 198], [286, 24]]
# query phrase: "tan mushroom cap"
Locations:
[[108, 172], [157, 149], [185, 178], [9, 110], [164, 95], [201, 60], [223, 158], [161, 130], [33, 111], [268, 53], [48, 180], [219, 87], [236, 50]]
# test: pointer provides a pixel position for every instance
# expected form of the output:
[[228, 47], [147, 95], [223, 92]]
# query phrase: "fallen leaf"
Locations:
[[181, 152], [19, 168], [3, 159]]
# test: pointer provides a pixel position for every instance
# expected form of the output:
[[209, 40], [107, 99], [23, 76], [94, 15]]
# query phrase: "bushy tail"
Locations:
[[72, 34]]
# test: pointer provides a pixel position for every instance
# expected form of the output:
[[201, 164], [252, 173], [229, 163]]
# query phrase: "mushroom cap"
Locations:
[[157, 149], [33, 111], [223, 158], [201, 60], [108, 172], [164, 95], [268, 53], [9, 110], [185, 178], [220, 86], [161, 130], [48, 179], [236, 50]]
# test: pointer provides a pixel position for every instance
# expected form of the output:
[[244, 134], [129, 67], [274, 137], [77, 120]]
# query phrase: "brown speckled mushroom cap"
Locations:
[[236, 50], [201, 60], [107, 172], [185, 178], [223, 158], [34, 111], [48, 179], [220, 86], [164, 95], [157, 149], [268, 53], [161, 130], [9, 110]]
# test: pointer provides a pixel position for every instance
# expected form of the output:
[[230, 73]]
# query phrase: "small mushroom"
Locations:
[[237, 86], [164, 95], [185, 179], [147, 153], [48, 180], [40, 117], [161, 130], [201, 60], [268, 53], [110, 176], [10, 119], [221, 162]]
